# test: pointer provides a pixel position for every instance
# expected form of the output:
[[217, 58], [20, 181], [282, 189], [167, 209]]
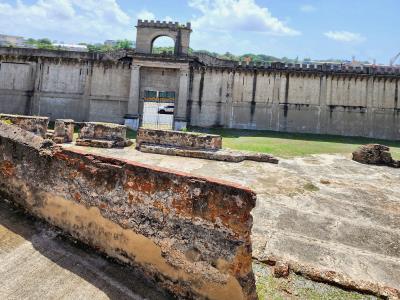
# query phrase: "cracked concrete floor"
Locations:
[[330, 217]]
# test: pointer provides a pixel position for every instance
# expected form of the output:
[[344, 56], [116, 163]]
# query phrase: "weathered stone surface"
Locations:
[[375, 154], [178, 139], [63, 131], [345, 232], [103, 135], [190, 233], [281, 269], [221, 155], [37, 125]]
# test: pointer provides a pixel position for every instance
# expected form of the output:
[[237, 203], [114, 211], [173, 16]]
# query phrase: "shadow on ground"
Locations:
[[38, 262]]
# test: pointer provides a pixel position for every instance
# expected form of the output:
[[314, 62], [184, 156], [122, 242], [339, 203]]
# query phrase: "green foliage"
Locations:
[[120, 44], [124, 44], [41, 43]]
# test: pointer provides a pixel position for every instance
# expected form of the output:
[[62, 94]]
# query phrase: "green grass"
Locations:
[[294, 144]]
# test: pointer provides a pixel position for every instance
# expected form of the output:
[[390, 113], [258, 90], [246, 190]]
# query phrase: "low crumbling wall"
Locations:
[[187, 140], [375, 154], [103, 135], [37, 125], [63, 131], [190, 234]]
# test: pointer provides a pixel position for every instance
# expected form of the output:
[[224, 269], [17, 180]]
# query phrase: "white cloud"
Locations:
[[146, 15], [345, 36], [92, 20], [242, 15], [307, 8]]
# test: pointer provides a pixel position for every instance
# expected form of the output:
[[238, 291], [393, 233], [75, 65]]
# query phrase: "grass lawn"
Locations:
[[293, 144]]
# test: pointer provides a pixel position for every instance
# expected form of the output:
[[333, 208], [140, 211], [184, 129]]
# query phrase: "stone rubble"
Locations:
[[375, 154]]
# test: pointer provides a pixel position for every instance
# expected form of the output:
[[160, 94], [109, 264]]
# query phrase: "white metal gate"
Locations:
[[158, 110]]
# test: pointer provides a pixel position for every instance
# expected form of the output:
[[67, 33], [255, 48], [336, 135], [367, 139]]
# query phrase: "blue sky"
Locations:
[[367, 29]]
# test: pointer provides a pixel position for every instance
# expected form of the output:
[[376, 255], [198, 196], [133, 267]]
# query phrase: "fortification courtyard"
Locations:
[[135, 170], [331, 218]]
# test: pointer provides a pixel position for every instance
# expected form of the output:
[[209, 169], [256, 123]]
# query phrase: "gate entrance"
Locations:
[[158, 110]]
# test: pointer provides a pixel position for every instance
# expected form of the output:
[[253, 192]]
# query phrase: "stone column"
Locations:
[[180, 119], [87, 85], [132, 116], [37, 87]]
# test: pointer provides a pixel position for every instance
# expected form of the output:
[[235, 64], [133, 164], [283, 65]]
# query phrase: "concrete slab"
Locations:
[[331, 218], [36, 262]]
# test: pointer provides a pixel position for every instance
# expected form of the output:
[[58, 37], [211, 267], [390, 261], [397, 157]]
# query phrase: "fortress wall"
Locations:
[[16, 85], [297, 99], [59, 88], [63, 87], [311, 102], [109, 92], [210, 93]]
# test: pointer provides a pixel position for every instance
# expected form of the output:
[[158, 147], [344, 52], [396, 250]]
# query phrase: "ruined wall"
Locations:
[[190, 234], [343, 102], [185, 140]]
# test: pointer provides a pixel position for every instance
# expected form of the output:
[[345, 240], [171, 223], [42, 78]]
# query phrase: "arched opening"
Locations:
[[163, 45]]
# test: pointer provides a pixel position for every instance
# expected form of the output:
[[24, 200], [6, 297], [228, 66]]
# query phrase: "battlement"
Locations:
[[321, 67], [164, 24], [326, 67]]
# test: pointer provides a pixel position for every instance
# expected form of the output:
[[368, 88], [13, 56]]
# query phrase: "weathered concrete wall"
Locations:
[[178, 139], [298, 100], [190, 234], [322, 99], [60, 85]]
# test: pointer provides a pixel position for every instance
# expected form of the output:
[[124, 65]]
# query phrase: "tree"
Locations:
[[124, 44]]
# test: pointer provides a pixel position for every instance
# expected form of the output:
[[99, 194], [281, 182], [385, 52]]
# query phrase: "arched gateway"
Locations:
[[149, 31], [159, 88]]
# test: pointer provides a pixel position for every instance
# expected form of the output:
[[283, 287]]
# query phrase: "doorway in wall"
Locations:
[[158, 109]]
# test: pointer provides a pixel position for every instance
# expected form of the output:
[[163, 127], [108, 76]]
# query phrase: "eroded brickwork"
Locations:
[[63, 131], [188, 140], [191, 234], [37, 125], [103, 135]]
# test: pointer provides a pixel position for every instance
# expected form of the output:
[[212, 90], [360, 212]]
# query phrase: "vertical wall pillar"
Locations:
[[323, 105], [87, 91], [132, 117], [37, 87], [180, 119], [229, 100]]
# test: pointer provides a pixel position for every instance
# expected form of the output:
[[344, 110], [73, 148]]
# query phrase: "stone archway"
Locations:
[[149, 31], [163, 39]]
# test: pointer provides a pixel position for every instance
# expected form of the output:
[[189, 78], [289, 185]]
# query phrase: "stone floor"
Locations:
[[37, 262], [330, 217]]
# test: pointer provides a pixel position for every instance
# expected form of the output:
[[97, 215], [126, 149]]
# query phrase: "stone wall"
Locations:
[[103, 135], [60, 85], [190, 234], [322, 99], [303, 99], [36, 125], [178, 139]]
